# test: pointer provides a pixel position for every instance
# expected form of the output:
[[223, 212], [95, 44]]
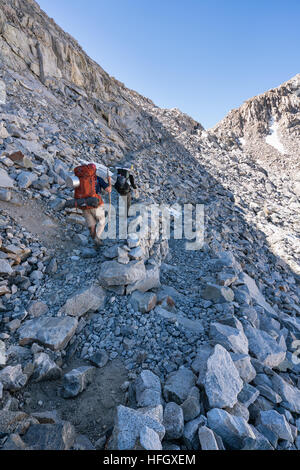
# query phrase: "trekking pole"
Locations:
[[109, 195]]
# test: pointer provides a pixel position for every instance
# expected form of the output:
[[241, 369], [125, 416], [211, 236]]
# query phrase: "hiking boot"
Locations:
[[98, 244]]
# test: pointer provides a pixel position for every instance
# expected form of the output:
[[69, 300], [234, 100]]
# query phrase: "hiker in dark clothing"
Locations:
[[124, 184], [101, 184]]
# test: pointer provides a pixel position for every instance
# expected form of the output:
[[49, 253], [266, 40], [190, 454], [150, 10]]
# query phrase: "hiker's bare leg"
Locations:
[[100, 217], [91, 221], [93, 231]]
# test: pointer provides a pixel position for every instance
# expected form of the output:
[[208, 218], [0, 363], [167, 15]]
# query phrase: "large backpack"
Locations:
[[122, 185], [87, 188]]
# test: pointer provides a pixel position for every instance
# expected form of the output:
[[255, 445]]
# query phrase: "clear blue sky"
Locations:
[[204, 57]]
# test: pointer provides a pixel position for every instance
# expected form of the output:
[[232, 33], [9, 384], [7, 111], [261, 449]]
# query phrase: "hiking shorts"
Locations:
[[95, 217]]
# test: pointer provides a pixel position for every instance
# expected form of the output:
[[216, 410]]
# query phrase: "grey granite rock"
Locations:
[[232, 339], [277, 423], [173, 421], [207, 439], [232, 429], [128, 425], [50, 436], [222, 381], [13, 378], [76, 381], [178, 385], [264, 347], [52, 332], [45, 368], [91, 299]]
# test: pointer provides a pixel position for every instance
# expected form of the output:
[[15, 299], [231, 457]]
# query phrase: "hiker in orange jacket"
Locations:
[[95, 217], [88, 187]]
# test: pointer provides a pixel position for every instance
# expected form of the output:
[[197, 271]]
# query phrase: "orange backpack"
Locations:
[[87, 188]]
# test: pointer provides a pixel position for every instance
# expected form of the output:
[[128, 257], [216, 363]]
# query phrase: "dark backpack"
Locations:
[[122, 185]]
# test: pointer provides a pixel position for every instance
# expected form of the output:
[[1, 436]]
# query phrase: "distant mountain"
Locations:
[[267, 126]]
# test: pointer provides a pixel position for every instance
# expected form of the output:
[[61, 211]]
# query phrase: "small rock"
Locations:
[[52, 332], [190, 433], [50, 436], [173, 421], [290, 395], [191, 406], [264, 347], [2, 353], [146, 381], [178, 385], [12, 378], [45, 368], [232, 339], [75, 381], [148, 440], [99, 359], [113, 273], [5, 268], [5, 180], [5, 195], [217, 294], [128, 426], [248, 395], [25, 179], [13, 325], [207, 439], [86, 300], [244, 367], [143, 302], [37, 308]]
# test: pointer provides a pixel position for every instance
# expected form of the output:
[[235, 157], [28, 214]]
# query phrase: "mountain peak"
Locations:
[[275, 112]]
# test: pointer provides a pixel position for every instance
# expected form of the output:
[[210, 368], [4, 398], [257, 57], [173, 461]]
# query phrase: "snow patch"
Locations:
[[273, 138]]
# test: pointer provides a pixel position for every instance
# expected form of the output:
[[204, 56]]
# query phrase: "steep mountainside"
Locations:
[[34, 46], [169, 347]]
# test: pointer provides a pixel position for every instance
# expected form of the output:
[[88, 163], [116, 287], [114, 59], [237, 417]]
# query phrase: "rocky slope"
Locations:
[[205, 341], [267, 127]]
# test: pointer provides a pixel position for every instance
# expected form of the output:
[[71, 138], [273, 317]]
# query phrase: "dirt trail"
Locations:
[[31, 214], [91, 412]]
